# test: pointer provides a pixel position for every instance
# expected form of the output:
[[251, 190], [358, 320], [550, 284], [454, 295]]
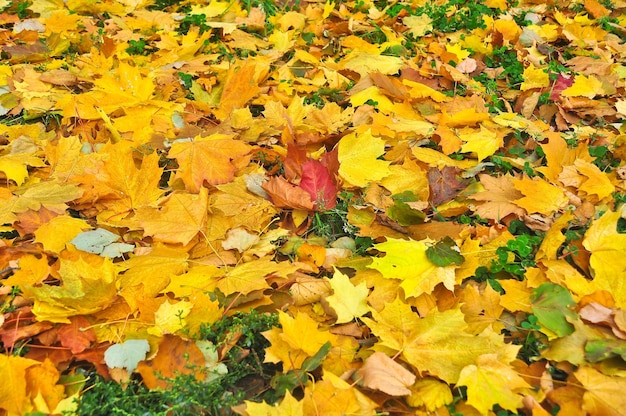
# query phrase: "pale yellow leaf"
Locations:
[[348, 301]]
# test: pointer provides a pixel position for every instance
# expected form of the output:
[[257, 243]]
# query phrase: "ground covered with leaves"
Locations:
[[313, 208]]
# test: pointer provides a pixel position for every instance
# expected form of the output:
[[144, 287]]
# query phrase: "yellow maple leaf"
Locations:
[[358, 158], [32, 271], [597, 182], [418, 25], [207, 159], [14, 166], [584, 86], [607, 261], [241, 86], [554, 238], [408, 176], [233, 206], [517, 296], [458, 51], [406, 260], [205, 311], [251, 276], [180, 217], [59, 231], [372, 93], [13, 394], [539, 196], [348, 301], [437, 343], [161, 263], [298, 339], [482, 309], [88, 285], [134, 187], [437, 159], [464, 117], [364, 63], [49, 194], [419, 90], [604, 394], [484, 142], [43, 386], [490, 382], [288, 406], [332, 396], [431, 393], [534, 78], [63, 156], [170, 317]]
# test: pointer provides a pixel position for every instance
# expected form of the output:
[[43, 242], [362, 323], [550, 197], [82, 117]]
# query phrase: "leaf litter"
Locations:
[[428, 196]]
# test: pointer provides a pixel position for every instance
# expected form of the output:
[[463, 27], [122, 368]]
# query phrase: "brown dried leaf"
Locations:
[[384, 374]]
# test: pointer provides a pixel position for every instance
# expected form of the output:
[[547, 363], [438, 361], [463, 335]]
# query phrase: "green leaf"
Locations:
[[294, 378], [551, 305], [404, 215], [444, 253], [602, 349]]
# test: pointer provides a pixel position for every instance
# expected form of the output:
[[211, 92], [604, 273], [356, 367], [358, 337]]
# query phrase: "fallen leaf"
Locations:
[[208, 159], [320, 185], [348, 301], [379, 372], [358, 159], [491, 382]]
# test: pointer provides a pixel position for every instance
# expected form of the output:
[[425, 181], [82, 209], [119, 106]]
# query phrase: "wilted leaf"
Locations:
[[286, 195], [78, 335], [127, 354], [380, 372], [99, 241]]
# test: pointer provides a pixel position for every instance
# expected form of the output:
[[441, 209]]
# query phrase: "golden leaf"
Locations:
[[358, 158], [491, 382], [348, 301]]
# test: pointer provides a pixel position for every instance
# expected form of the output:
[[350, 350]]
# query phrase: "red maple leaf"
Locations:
[[320, 184]]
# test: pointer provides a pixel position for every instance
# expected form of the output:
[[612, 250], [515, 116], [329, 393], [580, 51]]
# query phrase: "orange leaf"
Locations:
[[240, 87], [175, 357], [180, 218], [498, 195], [286, 195], [77, 335], [207, 159]]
